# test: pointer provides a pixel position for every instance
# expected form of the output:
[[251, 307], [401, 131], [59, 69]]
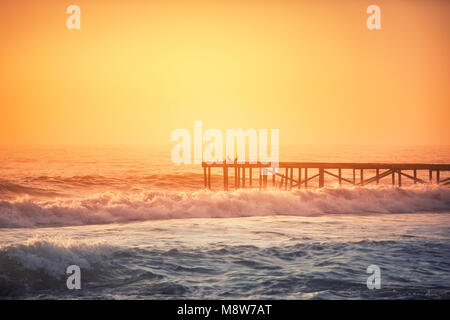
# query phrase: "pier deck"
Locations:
[[303, 174]]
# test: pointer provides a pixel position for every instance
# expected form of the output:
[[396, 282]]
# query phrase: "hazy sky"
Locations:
[[137, 70]]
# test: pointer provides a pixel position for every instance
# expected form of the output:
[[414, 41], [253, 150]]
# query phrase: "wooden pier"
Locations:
[[313, 174]]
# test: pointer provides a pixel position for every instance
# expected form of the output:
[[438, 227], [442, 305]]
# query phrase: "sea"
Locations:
[[140, 227]]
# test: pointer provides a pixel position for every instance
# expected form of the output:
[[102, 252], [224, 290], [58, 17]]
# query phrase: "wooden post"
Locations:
[[321, 178], [225, 178], [292, 178], [299, 178], [438, 176], [354, 176], [243, 177], [340, 176], [393, 177], [361, 174], [205, 178], [306, 178], [430, 175], [235, 177], [415, 176], [260, 179], [250, 176], [273, 178], [209, 178], [399, 177], [286, 180], [378, 175], [265, 180], [238, 177]]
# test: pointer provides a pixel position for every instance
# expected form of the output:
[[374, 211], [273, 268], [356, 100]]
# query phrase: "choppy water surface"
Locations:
[[135, 235]]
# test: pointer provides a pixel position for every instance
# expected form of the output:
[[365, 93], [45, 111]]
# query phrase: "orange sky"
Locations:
[[137, 70]]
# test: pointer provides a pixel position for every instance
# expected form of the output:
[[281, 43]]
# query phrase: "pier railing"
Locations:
[[303, 174]]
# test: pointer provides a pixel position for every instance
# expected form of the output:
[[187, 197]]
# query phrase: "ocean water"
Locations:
[[140, 227]]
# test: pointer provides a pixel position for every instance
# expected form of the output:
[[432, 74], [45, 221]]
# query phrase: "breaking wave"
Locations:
[[40, 263], [118, 207], [37, 268]]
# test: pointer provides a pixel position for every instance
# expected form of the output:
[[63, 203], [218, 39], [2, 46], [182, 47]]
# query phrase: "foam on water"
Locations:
[[115, 207], [304, 269]]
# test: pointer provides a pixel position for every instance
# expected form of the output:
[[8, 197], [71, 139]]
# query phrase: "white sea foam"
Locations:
[[118, 207]]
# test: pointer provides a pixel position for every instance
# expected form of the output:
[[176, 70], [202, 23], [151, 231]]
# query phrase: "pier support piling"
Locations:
[[225, 178], [321, 178], [299, 178], [306, 178], [209, 178]]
